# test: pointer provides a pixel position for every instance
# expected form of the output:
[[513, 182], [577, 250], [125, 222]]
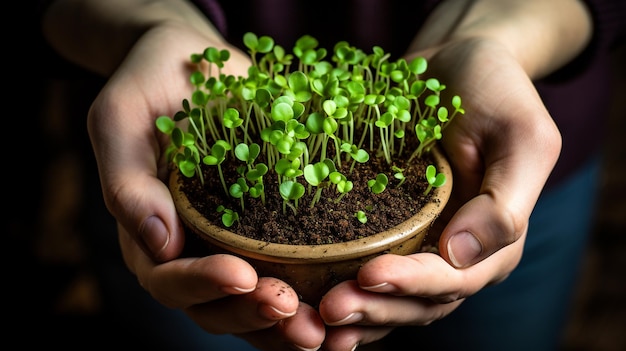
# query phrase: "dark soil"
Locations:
[[327, 222]]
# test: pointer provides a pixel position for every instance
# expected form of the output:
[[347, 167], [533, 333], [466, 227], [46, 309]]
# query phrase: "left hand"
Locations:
[[394, 290], [502, 152]]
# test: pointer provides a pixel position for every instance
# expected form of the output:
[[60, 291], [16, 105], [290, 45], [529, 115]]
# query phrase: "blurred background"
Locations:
[[54, 289]]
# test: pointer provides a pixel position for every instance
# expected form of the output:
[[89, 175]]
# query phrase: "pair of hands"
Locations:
[[501, 151]]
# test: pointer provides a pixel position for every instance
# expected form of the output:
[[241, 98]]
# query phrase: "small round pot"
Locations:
[[313, 269]]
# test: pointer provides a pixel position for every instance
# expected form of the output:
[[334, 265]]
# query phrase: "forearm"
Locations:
[[98, 34], [541, 35]]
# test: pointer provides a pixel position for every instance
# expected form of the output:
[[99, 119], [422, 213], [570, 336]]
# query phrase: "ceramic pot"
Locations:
[[313, 269]]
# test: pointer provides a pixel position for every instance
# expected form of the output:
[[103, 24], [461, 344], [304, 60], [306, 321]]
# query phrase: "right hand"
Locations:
[[152, 81]]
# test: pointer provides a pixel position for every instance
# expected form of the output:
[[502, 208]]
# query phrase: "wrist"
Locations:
[[541, 35], [97, 35]]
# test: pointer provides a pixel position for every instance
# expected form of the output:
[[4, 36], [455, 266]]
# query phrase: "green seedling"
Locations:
[[229, 217], [302, 115], [434, 179], [361, 216]]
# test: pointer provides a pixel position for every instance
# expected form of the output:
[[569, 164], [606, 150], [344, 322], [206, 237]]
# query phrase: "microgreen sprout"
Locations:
[[398, 174], [361, 216], [302, 115], [434, 179], [379, 184], [229, 217]]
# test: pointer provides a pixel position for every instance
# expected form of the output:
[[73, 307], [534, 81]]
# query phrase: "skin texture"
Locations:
[[502, 152]]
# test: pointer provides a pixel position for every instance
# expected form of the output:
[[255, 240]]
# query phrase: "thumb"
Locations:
[[144, 207], [506, 195], [128, 166], [478, 229]]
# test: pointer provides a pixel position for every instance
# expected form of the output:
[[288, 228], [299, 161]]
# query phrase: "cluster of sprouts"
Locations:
[[303, 115]]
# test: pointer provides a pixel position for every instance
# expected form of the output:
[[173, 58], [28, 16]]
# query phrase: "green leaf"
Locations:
[[336, 177], [361, 216], [216, 157], [242, 152], [211, 160], [211, 54], [257, 173], [165, 124], [178, 137], [257, 190], [315, 123], [379, 184], [402, 103], [329, 107], [418, 65], [187, 168], [299, 83], [200, 98], [316, 173], [197, 78], [456, 103], [397, 76], [432, 101], [440, 180], [282, 166], [361, 156], [290, 190], [231, 118], [224, 55], [418, 87], [236, 191], [225, 145], [433, 84], [330, 125], [282, 112], [251, 41], [229, 217], [435, 179], [345, 186], [262, 97], [254, 151]]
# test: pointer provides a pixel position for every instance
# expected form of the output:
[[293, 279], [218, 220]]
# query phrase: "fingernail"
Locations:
[[301, 348], [280, 313], [349, 319], [154, 235], [244, 290], [463, 248], [237, 290], [380, 288]]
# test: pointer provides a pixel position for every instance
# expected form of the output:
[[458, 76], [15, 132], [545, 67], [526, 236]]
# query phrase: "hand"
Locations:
[[132, 170], [229, 300], [501, 152]]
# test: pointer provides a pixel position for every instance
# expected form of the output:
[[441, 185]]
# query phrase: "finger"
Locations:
[[185, 282], [348, 304], [423, 275], [191, 281], [412, 290], [220, 293], [428, 275], [271, 301], [304, 331], [352, 337]]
